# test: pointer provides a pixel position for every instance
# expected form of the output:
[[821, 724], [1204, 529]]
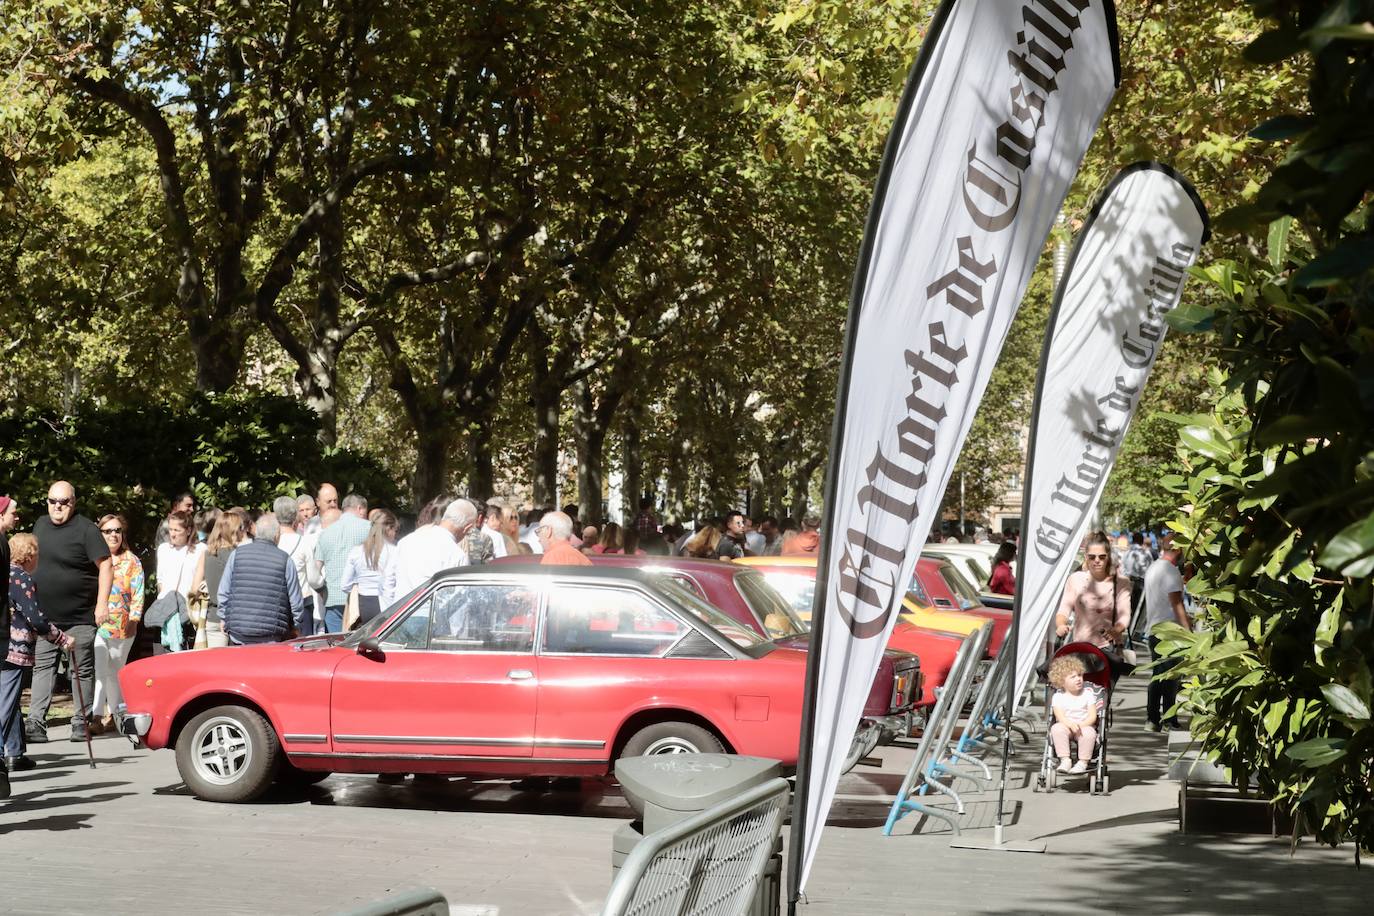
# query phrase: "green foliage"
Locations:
[[1279, 479], [229, 450]]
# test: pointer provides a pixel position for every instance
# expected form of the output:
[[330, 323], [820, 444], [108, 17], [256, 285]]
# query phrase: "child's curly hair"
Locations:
[[1063, 666]]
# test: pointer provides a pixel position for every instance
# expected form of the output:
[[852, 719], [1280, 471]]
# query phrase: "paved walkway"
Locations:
[[127, 838]]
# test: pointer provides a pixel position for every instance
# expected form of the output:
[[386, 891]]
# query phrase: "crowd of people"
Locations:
[[305, 565], [316, 564]]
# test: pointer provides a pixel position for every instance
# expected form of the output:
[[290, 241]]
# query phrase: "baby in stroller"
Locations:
[[1075, 712]]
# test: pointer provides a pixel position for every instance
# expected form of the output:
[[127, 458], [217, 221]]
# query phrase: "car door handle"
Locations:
[[520, 674]]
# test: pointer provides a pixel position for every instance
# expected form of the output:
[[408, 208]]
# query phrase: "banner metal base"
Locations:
[[998, 843]]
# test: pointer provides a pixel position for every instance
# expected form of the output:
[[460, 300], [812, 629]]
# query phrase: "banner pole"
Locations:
[[1018, 607], [800, 798], [1013, 642]]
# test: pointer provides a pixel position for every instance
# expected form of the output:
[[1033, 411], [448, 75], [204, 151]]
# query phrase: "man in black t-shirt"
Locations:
[[73, 579], [732, 544]]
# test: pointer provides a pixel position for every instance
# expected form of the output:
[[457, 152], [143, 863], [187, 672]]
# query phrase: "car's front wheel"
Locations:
[[671, 738], [228, 754]]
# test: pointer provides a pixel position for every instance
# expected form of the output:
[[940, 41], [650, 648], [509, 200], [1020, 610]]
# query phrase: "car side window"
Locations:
[[469, 618], [607, 621], [483, 618], [918, 591]]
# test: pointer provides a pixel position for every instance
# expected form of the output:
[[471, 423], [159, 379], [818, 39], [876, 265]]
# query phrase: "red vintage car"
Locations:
[[482, 671], [936, 582], [746, 597], [795, 578]]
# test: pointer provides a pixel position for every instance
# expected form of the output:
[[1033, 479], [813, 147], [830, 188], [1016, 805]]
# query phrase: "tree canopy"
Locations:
[[476, 237]]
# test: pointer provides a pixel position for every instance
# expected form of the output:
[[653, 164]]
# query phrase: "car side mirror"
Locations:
[[370, 648]]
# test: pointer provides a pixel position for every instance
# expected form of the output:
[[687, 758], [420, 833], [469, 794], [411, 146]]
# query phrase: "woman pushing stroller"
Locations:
[[1099, 600]]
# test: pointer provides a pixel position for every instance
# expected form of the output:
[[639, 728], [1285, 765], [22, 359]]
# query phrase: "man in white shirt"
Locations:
[[1163, 604], [426, 551], [498, 515], [530, 537], [300, 548]]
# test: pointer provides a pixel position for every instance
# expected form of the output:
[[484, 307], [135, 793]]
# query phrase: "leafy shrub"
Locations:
[[229, 449], [1279, 478]]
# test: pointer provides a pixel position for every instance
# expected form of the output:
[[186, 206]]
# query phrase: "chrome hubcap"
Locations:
[[222, 750], [671, 745]]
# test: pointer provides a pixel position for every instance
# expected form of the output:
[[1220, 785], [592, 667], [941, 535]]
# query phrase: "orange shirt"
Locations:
[[803, 544], [561, 553]]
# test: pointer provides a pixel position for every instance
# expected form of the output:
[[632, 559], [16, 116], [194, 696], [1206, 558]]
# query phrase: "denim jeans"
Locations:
[[11, 723], [1160, 695], [333, 618]]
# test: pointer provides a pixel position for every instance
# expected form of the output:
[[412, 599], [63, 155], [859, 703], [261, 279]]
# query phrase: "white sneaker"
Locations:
[[1080, 767], [1064, 765]]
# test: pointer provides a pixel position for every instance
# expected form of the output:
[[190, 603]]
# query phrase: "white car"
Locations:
[[974, 561]]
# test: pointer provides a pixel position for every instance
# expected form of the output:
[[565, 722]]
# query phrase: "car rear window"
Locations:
[[980, 574], [710, 615]]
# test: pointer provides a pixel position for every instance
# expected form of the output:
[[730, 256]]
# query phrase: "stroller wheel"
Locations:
[[1051, 778], [1105, 784], [1092, 785]]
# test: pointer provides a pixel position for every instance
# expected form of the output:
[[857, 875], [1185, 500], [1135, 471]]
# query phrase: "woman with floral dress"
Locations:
[[116, 634]]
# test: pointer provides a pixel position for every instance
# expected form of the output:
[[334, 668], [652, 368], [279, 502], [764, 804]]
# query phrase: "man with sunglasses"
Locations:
[[73, 582]]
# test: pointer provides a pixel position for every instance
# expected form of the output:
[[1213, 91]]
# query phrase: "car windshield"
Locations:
[[709, 614], [966, 593], [769, 606], [797, 589]]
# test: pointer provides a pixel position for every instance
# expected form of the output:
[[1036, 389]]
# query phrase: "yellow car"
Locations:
[[795, 580]]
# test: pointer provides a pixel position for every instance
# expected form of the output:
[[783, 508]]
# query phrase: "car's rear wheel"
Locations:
[[228, 754], [671, 738]]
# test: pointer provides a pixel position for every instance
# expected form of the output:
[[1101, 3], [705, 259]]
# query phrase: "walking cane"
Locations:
[[80, 704]]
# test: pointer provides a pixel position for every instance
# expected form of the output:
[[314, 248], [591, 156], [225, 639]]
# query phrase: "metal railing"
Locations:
[[709, 864]]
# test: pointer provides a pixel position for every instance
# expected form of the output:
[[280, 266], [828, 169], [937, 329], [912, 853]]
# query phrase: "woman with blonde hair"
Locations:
[[611, 540], [115, 635], [221, 543], [1097, 597], [176, 568], [703, 544], [366, 562]]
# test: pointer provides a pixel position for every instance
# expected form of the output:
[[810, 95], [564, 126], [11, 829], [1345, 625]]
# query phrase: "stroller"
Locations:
[[1100, 678]]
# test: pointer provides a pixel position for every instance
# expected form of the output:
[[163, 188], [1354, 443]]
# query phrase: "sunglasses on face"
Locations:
[[64, 501], [111, 530], [1097, 556]]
